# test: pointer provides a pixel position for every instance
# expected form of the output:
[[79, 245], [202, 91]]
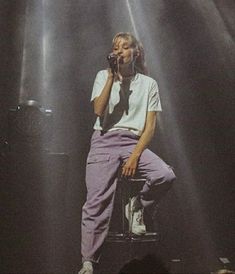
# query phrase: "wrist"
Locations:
[[136, 154], [110, 74]]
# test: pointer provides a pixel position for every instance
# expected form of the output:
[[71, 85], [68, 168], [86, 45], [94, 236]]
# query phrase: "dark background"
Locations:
[[50, 51]]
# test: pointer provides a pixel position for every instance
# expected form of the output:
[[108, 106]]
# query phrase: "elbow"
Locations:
[[97, 109], [98, 112]]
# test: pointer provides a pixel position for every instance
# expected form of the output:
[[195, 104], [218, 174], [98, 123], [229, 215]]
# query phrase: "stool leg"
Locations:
[[129, 217], [123, 212]]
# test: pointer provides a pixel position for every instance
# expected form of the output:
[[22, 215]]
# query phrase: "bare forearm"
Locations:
[[147, 134], [101, 102], [144, 141], [130, 166]]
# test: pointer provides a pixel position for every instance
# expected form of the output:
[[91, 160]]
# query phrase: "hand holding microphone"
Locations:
[[113, 62]]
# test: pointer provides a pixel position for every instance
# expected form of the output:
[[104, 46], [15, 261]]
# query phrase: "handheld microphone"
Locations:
[[112, 56], [113, 61]]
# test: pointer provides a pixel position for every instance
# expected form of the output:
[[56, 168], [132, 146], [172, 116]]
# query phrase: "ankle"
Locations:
[[88, 264]]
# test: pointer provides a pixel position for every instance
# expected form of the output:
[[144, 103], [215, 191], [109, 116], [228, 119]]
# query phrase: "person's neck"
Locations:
[[126, 72]]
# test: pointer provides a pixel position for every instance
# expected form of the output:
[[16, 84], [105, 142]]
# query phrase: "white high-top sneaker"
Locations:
[[134, 215], [87, 268]]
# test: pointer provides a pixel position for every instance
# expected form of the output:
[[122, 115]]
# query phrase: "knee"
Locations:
[[169, 176]]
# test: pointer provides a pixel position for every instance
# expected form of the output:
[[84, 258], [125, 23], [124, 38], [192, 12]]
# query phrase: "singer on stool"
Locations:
[[126, 102]]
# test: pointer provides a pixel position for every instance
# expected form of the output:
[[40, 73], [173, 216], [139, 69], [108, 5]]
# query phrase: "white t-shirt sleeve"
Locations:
[[99, 84], [154, 103]]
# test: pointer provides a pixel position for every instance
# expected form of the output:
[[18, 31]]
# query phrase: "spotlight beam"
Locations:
[[193, 200]]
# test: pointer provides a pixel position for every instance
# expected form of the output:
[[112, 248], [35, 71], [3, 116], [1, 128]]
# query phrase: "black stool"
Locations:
[[127, 188]]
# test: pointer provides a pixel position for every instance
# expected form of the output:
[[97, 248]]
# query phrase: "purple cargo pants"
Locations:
[[106, 154]]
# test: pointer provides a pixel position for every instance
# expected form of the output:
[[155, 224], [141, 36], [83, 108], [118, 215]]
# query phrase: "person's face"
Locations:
[[123, 50]]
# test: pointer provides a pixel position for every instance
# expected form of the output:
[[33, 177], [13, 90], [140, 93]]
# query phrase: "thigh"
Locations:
[[101, 171], [151, 165]]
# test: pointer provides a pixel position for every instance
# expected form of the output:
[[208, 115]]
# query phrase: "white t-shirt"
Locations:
[[143, 98]]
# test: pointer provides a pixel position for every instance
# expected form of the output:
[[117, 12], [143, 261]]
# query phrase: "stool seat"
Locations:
[[126, 188]]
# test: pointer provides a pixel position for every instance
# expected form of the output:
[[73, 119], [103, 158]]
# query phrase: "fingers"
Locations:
[[128, 171]]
